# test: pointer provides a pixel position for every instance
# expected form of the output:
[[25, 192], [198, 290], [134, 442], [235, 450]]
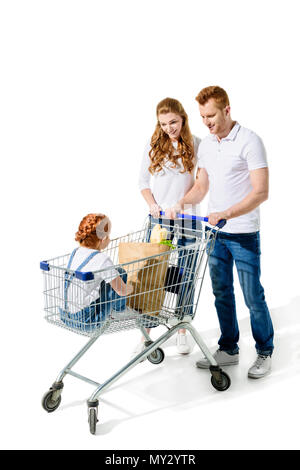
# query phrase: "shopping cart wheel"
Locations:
[[219, 379], [157, 356], [51, 400], [93, 415]]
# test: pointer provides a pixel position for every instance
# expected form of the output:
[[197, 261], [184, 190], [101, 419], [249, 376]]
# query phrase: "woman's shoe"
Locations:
[[182, 343], [138, 349]]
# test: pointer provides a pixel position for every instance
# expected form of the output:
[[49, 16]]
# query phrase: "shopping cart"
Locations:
[[172, 280]]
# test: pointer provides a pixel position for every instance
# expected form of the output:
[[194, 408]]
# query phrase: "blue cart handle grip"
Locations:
[[220, 224]]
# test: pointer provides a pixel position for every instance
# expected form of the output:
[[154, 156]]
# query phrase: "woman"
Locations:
[[169, 164]]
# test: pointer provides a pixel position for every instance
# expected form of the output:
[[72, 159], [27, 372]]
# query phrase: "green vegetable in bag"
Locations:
[[167, 242]]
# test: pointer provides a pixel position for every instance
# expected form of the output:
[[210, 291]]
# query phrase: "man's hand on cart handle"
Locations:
[[215, 217]]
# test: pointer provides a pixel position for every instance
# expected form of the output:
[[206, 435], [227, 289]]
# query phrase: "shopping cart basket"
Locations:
[[180, 271]]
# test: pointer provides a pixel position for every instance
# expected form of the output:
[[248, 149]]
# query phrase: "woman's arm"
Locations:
[[148, 196], [120, 287], [154, 208], [195, 195], [144, 184]]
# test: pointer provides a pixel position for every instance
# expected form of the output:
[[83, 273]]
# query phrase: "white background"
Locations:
[[79, 84]]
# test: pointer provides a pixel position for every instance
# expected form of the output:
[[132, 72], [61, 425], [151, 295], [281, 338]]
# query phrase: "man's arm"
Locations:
[[195, 194], [260, 192]]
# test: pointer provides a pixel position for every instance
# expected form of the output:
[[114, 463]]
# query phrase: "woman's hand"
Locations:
[[155, 210], [172, 212]]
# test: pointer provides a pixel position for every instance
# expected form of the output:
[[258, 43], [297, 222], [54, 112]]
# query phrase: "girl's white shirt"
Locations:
[[82, 293], [169, 185]]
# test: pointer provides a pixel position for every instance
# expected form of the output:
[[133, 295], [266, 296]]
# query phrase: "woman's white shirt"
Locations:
[[169, 185]]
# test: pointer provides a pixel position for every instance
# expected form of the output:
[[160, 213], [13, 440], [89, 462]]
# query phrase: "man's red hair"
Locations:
[[213, 92]]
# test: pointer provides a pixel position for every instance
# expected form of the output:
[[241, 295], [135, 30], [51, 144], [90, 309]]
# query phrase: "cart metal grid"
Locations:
[[170, 284]]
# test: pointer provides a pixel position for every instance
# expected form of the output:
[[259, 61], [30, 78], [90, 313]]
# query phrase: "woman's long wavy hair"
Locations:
[[161, 144]]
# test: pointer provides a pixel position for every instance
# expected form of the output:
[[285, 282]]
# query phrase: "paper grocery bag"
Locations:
[[147, 275]]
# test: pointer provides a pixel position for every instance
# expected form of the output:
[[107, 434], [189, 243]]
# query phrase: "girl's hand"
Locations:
[[120, 287], [155, 210], [129, 288]]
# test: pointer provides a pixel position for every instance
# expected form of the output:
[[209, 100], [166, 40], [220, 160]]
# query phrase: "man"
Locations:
[[233, 167]]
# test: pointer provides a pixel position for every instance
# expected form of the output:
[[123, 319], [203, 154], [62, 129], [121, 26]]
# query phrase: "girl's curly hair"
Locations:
[[161, 145], [86, 234]]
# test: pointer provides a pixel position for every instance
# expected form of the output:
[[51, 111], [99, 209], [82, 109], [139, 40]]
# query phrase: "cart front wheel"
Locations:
[[51, 400], [222, 382], [157, 356], [93, 420]]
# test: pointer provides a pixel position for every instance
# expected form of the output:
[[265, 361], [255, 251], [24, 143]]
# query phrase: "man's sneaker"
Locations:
[[260, 368], [183, 346], [138, 349], [221, 357]]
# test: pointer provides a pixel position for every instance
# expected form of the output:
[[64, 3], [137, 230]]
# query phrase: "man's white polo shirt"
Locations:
[[228, 164]]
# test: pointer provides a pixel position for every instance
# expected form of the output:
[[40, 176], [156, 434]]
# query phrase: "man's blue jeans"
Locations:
[[243, 249]]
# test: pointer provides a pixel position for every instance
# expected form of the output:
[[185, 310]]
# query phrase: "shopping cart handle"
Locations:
[[220, 224]]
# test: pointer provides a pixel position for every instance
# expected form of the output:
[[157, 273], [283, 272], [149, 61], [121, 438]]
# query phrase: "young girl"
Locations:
[[105, 294], [168, 173]]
